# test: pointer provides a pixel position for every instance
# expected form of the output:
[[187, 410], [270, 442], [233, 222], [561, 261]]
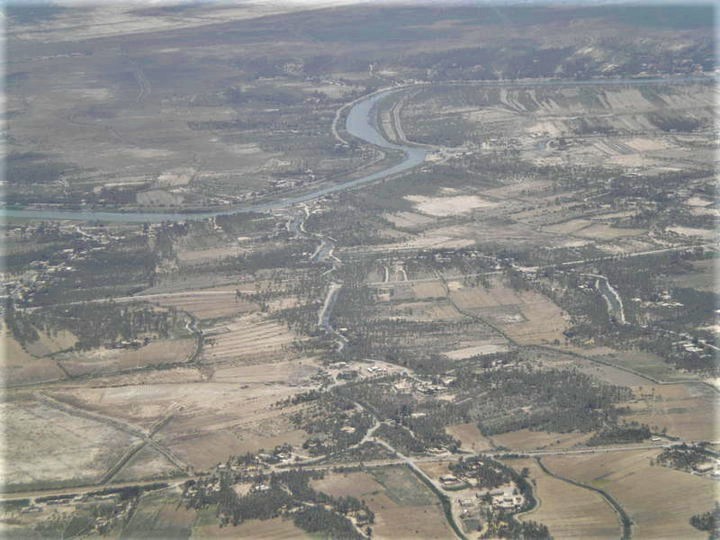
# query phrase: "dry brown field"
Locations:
[[392, 519], [686, 411], [100, 361], [568, 511], [209, 421], [251, 338], [355, 484], [49, 447], [19, 367], [525, 439], [659, 500], [147, 463], [425, 311], [436, 469], [469, 436], [208, 303], [468, 349], [255, 529], [702, 277], [527, 317], [47, 344]]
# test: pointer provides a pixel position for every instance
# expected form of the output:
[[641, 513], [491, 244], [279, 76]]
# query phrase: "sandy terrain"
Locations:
[[49, 447], [478, 349], [448, 206]]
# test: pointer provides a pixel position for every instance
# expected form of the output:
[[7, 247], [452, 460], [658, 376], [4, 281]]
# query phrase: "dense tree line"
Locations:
[[620, 434], [501, 399], [286, 493], [708, 522], [682, 457]]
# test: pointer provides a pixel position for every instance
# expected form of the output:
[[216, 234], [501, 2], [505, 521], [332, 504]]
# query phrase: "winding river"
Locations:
[[361, 123]]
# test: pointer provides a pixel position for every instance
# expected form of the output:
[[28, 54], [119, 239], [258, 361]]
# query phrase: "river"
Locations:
[[361, 123]]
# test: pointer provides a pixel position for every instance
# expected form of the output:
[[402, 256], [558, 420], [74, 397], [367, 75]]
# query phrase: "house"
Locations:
[[704, 467]]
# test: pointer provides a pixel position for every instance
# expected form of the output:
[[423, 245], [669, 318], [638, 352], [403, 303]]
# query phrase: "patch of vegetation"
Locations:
[[334, 424], [488, 472], [524, 397], [683, 457], [31, 168], [279, 494], [400, 438], [708, 522], [322, 523], [620, 434]]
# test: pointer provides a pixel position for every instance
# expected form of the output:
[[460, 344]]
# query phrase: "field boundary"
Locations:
[[625, 521], [444, 501], [629, 370]]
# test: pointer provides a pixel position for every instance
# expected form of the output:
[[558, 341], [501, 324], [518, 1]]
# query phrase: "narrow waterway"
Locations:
[[361, 123]]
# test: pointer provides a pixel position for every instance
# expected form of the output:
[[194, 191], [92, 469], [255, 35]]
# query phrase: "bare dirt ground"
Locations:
[[469, 436], [252, 339], [99, 361], [49, 447]]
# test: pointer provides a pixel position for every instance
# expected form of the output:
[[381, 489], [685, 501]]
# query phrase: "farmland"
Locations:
[[660, 501], [401, 504], [359, 271], [569, 511]]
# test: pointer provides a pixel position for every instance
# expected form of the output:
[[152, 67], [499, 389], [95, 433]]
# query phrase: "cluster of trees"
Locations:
[[125, 267], [415, 432], [503, 525], [654, 327], [488, 472], [504, 397], [400, 438], [285, 493], [682, 457], [708, 522], [260, 259], [32, 168], [342, 223], [97, 324], [20, 324], [632, 432], [460, 261], [326, 524], [328, 421]]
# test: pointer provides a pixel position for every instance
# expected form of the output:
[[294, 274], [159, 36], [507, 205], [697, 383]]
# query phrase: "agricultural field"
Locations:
[[469, 436], [402, 505], [358, 271], [50, 447], [674, 407], [660, 501], [569, 511]]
